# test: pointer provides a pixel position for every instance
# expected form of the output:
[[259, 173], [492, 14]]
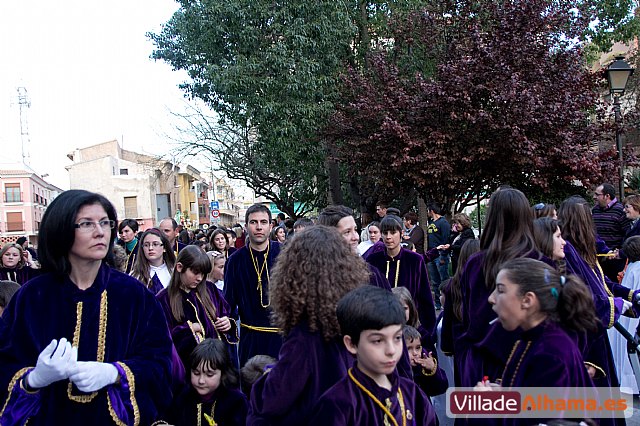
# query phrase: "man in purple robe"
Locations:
[[373, 393], [246, 287]]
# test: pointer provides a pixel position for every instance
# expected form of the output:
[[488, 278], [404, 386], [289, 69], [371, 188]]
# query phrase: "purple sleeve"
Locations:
[[20, 404]]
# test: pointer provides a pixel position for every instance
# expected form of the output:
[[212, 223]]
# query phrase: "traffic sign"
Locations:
[[214, 205], [215, 213]]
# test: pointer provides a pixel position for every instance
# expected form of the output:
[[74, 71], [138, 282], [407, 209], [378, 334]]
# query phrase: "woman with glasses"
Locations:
[[13, 264], [154, 267], [82, 342]]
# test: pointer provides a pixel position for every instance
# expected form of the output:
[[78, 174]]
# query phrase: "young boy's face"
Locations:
[[378, 351], [205, 381], [414, 347]]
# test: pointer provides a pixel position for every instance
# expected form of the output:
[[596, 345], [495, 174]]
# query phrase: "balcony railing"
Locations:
[[12, 197]]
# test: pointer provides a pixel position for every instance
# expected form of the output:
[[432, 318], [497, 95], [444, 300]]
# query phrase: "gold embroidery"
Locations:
[[596, 367], [131, 380], [386, 410], [395, 283], [259, 274], [199, 322], [517, 365], [213, 324], [263, 329], [12, 383], [102, 336], [432, 372]]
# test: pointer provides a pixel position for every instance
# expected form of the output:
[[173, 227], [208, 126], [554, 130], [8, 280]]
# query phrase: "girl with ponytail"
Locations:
[[532, 296]]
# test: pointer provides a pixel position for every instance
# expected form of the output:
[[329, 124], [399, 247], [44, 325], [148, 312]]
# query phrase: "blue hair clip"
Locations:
[[547, 277], [554, 292], [563, 280]]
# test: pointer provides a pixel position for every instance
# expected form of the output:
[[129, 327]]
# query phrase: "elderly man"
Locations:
[[169, 228]]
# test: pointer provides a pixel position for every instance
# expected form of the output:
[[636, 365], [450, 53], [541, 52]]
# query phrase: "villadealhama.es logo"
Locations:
[[542, 403]]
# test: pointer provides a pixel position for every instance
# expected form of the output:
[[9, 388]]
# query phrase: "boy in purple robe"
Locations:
[[373, 393], [405, 268], [247, 289], [341, 217], [315, 269]]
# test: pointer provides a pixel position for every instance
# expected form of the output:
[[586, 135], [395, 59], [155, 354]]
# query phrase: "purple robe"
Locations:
[[242, 294], [18, 275], [476, 316], [181, 334], [137, 342], [413, 276], [377, 247], [229, 408], [307, 366], [431, 384], [347, 404], [376, 278], [156, 285]]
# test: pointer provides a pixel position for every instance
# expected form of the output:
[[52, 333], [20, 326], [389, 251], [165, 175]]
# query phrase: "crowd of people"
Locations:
[[320, 322]]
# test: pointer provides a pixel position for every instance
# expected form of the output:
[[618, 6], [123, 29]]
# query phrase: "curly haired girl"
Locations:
[[314, 270]]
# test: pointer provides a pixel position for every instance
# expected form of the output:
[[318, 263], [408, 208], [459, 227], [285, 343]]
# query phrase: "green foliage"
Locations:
[[474, 216], [611, 21]]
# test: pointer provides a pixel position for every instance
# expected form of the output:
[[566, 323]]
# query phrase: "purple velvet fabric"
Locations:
[[241, 292], [346, 404], [229, 408], [18, 275], [136, 335]]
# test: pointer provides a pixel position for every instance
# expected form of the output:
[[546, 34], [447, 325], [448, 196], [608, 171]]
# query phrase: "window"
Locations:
[[124, 171], [130, 207], [12, 193], [202, 210], [14, 222]]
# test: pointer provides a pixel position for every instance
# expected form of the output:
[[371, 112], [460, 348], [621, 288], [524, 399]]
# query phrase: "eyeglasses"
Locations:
[[90, 226], [539, 206], [154, 244]]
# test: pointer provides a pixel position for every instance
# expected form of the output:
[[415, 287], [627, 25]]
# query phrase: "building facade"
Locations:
[[25, 197]]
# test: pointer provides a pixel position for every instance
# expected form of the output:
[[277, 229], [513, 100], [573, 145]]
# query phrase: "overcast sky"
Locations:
[[86, 67]]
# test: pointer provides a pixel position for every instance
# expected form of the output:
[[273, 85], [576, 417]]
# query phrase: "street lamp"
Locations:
[[617, 75]]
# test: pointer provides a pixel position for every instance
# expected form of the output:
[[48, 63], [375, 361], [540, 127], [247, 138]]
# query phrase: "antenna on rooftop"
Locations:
[[24, 103]]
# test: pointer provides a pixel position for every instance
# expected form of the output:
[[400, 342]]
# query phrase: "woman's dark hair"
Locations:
[[508, 231], [331, 215], [190, 257], [390, 223], [253, 370], [7, 290], [58, 229], [578, 227], [273, 236], [213, 354], [543, 210], [214, 234], [183, 236], [411, 217], [314, 270], [543, 230], [131, 223], [455, 287], [141, 267], [631, 248], [565, 299], [404, 296]]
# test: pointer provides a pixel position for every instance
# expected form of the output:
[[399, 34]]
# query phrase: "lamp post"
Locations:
[[617, 75]]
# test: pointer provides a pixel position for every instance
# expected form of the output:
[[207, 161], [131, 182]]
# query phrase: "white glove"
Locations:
[[90, 376], [53, 364], [626, 305]]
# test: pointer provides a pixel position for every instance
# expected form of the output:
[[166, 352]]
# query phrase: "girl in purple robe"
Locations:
[[508, 234], [532, 296], [212, 394], [405, 268], [194, 307], [82, 343], [13, 264], [154, 267], [314, 270]]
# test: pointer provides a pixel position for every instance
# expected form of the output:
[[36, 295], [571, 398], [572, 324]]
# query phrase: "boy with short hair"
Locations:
[[426, 373], [373, 393]]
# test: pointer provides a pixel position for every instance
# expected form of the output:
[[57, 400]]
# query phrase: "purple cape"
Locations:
[[229, 408], [347, 404], [136, 339]]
